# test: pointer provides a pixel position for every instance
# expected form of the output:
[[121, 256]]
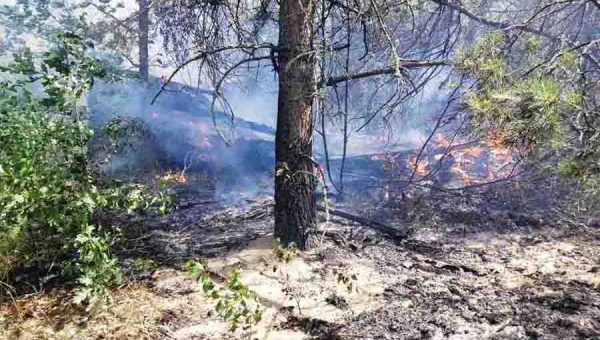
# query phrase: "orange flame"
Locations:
[[440, 140], [420, 166], [467, 160], [181, 178], [175, 176], [378, 157], [206, 143]]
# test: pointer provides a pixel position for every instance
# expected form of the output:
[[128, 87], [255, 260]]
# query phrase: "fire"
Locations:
[[206, 143], [490, 175], [460, 168], [319, 172], [441, 141], [200, 132], [491, 155], [178, 177], [475, 151], [421, 165]]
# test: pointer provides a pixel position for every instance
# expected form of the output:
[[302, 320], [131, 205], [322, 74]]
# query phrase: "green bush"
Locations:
[[49, 190], [236, 303]]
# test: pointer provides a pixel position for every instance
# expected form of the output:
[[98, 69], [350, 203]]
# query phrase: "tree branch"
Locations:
[[496, 24], [203, 55], [217, 94], [385, 70]]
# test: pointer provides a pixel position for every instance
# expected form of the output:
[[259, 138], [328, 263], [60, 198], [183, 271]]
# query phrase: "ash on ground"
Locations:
[[479, 265]]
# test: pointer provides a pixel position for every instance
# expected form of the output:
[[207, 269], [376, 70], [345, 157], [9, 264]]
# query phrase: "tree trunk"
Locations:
[[295, 184], [144, 23]]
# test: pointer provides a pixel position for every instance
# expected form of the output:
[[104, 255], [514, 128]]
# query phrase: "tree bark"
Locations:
[[144, 23], [295, 184]]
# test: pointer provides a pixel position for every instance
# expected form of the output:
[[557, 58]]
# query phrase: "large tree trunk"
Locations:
[[144, 23], [295, 184]]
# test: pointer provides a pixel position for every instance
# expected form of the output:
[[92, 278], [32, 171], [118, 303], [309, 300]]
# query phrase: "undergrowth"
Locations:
[[236, 303], [49, 188]]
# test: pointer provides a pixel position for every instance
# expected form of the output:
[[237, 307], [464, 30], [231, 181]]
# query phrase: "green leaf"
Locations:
[[207, 285], [81, 295], [86, 281]]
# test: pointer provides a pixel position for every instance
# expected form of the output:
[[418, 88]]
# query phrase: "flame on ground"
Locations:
[[378, 157], [173, 176], [487, 161], [421, 166]]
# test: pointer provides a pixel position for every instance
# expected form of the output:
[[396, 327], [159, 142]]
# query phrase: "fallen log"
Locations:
[[380, 227]]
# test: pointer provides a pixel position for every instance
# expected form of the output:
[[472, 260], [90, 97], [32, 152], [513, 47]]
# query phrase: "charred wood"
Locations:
[[380, 227]]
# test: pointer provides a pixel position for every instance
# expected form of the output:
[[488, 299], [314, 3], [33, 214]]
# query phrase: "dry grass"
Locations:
[[136, 313], [174, 307]]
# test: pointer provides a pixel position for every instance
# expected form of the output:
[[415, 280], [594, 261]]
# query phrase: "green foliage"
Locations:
[[486, 59], [46, 19], [522, 113], [236, 303], [143, 265], [49, 192], [122, 134], [534, 99]]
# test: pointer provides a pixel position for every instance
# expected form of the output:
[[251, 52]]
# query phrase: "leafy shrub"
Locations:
[[284, 254], [49, 192], [236, 303]]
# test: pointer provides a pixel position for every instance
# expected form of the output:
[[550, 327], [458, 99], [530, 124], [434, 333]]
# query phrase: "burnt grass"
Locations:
[[499, 263], [505, 262], [484, 265]]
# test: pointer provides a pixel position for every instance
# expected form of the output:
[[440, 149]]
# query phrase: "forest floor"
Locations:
[[466, 269]]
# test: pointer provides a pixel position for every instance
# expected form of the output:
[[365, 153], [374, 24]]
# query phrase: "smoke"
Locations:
[[406, 128], [180, 134], [257, 104]]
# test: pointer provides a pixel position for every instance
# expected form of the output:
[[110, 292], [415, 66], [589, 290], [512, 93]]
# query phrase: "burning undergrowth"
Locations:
[[178, 136], [181, 136], [462, 161]]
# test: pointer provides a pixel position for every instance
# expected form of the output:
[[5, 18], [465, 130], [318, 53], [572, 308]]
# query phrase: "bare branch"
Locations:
[[217, 93], [384, 70], [496, 24], [204, 55]]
